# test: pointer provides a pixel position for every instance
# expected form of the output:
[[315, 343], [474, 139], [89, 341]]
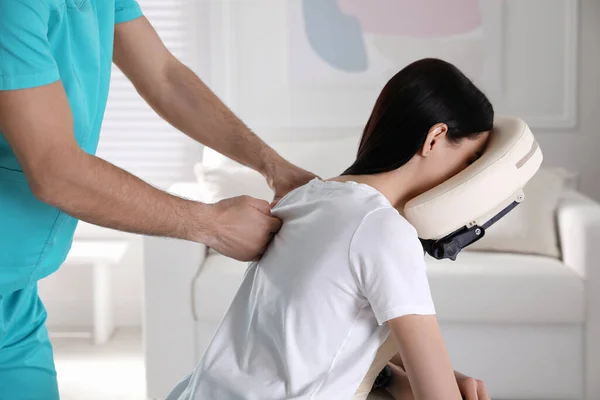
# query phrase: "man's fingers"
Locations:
[[274, 202], [274, 224], [260, 205], [264, 249]]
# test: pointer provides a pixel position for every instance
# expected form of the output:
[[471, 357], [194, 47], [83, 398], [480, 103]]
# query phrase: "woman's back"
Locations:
[[309, 317], [305, 323]]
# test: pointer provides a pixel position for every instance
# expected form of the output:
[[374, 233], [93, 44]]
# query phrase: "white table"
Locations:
[[102, 256]]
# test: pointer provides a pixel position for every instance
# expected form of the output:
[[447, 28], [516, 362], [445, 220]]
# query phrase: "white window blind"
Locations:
[[133, 137]]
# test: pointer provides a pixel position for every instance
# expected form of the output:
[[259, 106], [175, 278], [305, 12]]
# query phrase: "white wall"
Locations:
[[545, 68], [248, 58], [577, 148]]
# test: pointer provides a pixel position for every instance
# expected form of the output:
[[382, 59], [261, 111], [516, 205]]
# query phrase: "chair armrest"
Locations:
[[170, 266], [579, 232]]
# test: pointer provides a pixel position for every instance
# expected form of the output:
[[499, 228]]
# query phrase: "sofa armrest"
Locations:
[[170, 266], [578, 220]]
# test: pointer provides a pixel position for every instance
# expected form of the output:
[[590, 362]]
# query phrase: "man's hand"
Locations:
[[286, 177], [241, 228]]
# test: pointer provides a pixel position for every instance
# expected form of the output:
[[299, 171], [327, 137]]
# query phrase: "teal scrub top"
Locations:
[[42, 41]]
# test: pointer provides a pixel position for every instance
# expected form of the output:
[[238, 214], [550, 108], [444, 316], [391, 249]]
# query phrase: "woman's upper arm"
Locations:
[[425, 357], [387, 261]]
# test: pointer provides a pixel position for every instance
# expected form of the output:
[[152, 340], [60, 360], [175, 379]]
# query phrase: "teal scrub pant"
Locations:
[[26, 363]]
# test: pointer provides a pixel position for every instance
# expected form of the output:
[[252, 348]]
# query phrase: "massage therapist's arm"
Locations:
[[182, 99], [38, 125], [425, 357]]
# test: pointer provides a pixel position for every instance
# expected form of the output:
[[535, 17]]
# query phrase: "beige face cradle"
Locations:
[[457, 212]]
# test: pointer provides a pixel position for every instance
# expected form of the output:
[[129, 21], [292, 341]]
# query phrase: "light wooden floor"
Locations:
[[114, 371]]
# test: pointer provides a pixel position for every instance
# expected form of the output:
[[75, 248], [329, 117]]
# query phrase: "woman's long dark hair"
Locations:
[[424, 93]]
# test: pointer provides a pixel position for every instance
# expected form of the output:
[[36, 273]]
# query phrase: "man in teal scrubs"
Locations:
[[55, 61]]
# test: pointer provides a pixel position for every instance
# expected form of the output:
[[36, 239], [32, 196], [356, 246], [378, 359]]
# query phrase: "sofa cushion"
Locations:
[[220, 183], [478, 287], [499, 287]]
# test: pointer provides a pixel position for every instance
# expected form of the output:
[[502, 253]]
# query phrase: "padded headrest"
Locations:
[[480, 192]]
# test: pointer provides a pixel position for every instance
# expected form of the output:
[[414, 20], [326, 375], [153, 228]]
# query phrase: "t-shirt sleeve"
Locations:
[[126, 10], [389, 265], [26, 59]]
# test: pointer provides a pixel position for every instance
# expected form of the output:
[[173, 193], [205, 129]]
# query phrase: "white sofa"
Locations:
[[529, 326]]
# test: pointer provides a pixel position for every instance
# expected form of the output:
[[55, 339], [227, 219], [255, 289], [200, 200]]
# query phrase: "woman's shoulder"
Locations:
[[384, 229], [387, 221]]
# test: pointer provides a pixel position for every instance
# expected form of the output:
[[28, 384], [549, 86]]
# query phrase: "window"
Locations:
[[135, 138]]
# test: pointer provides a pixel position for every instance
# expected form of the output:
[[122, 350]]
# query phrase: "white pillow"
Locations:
[[224, 178], [232, 181], [326, 157], [530, 228]]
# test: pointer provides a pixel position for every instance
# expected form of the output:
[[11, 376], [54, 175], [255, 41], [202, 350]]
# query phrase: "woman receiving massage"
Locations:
[[347, 269]]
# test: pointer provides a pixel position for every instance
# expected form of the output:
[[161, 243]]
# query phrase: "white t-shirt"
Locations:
[[309, 317]]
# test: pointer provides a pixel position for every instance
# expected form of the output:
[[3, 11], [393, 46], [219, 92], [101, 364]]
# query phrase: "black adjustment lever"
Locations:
[[449, 246]]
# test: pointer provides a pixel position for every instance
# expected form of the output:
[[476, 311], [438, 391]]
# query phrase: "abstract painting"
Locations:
[[360, 42]]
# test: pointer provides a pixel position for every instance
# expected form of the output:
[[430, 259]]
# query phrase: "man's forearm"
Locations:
[[188, 104], [98, 192]]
